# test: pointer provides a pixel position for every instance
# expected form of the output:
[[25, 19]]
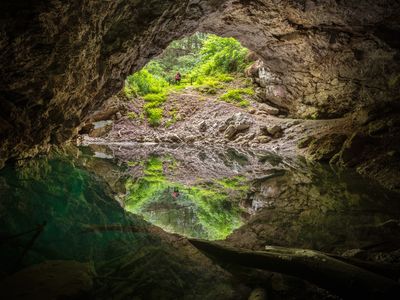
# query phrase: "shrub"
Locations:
[[154, 115], [159, 98]]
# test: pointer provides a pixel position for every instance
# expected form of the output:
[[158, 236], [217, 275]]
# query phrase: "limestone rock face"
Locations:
[[60, 60]]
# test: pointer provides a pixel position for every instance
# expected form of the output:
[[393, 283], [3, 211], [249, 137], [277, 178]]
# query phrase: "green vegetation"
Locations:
[[236, 96], [205, 61], [214, 212]]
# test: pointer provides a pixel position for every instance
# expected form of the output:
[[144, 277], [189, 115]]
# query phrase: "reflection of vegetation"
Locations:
[[215, 215], [205, 61]]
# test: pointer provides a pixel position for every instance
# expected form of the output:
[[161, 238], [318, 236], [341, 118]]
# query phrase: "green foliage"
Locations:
[[235, 96], [154, 115], [215, 215], [221, 55], [204, 61], [155, 98], [143, 83]]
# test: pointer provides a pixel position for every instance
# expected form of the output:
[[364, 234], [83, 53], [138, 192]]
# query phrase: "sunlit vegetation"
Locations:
[[213, 212], [235, 96], [205, 61]]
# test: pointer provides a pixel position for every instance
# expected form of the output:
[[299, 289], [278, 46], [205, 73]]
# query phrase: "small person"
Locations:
[[178, 78]]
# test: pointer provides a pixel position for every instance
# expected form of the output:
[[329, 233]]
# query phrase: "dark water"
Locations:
[[93, 204]]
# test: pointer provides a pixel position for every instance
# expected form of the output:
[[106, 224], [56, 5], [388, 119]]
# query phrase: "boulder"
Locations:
[[264, 139], [274, 130], [230, 132], [268, 109]]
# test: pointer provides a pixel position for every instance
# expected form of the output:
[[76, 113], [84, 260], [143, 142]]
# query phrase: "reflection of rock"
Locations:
[[315, 209], [353, 148], [100, 131], [324, 148]]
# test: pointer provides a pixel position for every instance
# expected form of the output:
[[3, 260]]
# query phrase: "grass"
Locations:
[[156, 96]]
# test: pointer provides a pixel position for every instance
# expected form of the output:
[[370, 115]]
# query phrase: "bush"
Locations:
[[143, 83], [159, 98], [154, 115]]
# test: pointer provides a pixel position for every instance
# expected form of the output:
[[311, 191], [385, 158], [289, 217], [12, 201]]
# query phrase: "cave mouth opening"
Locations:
[[203, 88]]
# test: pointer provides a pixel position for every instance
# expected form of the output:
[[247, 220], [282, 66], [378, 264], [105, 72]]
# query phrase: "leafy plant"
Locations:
[[236, 96]]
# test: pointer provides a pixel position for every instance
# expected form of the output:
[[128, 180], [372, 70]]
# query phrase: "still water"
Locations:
[[252, 197]]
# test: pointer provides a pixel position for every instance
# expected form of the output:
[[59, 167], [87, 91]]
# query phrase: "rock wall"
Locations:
[[60, 60], [321, 59]]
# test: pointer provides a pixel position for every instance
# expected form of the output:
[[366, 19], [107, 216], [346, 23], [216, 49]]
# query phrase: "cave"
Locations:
[[292, 193]]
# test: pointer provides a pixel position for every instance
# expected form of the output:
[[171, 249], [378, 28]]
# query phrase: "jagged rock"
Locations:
[[100, 131], [264, 139], [305, 142], [268, 109], [237, 123], [57, 71], [230, 132], [222, 128], [203, 126], [353, 149], [274, 130], [325, 147], [172, 138], [190, 139]]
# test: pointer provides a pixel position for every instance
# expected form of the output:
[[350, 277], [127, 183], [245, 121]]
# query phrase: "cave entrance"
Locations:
[[199, 94], [202, 89]]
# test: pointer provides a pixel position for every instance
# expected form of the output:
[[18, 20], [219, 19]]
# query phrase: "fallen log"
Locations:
[[340, 278]]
